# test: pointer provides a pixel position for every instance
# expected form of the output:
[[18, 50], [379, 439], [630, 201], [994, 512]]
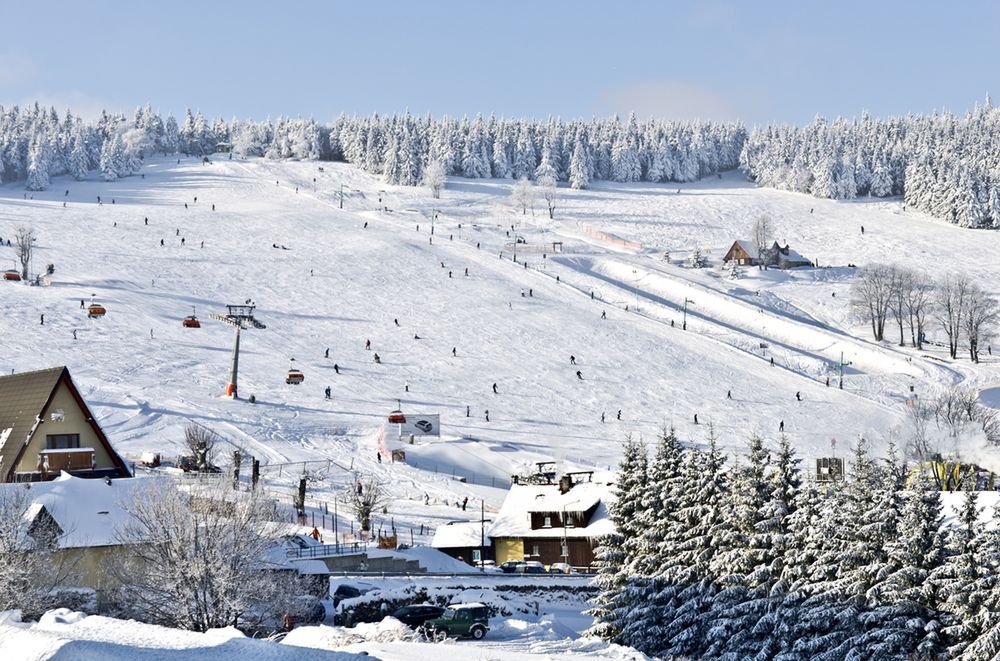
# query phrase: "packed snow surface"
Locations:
[[325, 277]]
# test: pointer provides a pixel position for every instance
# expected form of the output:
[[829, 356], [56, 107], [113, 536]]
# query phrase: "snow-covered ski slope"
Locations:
[[145, 389]]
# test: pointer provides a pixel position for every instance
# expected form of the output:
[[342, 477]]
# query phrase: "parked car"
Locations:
[[459, 621], [306, 609], [561, 568], [348, 591], [415, 616], [511, 566], [533, 567]]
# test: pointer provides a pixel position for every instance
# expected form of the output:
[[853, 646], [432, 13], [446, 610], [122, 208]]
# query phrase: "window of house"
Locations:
[[534, 550], [62, 441], [547, 521]]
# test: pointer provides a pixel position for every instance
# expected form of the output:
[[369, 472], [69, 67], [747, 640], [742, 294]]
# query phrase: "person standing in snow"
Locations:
[[578, 375], [602, 417], [781, 426], [368, 345], [336, 368], [487, 415], [327, 353], [454, 352], [729, 394], [465, 502], [619, 414], [468, 411], [695, 418], [379, 456], [495, 391], [377, 358], [328, 392], [798, 396], [74, 333], [406, 386], [572, 359], [42, 321], [604, 315]]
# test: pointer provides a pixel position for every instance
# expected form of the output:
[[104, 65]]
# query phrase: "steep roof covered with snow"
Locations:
[[459, 534], [87, 511], [514, 518]]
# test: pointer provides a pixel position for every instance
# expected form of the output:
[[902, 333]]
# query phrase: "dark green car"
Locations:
[[459, 621]]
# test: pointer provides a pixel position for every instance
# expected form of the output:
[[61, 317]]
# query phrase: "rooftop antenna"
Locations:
[[241, 317]]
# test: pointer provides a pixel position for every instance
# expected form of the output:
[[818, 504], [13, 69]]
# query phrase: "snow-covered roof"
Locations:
[[458, 534], [514, 518], [87, 511], [749, 247]]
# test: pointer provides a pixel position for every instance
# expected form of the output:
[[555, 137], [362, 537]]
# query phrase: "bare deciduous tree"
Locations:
[[980, 319], [918, 298], [24, 239], [522, 195], [871, 295], [434, 178], [951, 300], [201, 559], [201, 442], [763, 237], [29, 570], [900, 282], [549, 193], [368, 496]]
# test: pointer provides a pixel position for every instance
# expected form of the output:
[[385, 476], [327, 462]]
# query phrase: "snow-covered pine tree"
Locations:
[[690, 587], [697, 260], [957, 582], [642, 627], [614, 553], [38, 163], [578, 178], [903, 620], [743, 562]]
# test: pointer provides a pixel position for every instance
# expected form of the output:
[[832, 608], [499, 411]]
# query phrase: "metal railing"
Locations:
[[328, 550]]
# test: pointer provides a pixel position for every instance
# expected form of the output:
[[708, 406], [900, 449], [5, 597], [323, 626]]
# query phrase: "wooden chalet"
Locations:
[[46, 428]]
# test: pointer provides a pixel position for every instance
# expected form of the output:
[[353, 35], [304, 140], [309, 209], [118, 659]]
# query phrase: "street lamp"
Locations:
[[635, 273], [684, 324]]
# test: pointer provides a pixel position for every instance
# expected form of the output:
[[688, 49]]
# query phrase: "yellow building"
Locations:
[[80, 522], [46, 428]]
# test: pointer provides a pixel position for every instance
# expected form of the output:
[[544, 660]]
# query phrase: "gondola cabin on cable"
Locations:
[[295, 376], [95, 309], [397, 417], [191, 321], [12, 275]]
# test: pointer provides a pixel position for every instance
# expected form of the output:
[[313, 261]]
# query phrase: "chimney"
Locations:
[[565, 483]]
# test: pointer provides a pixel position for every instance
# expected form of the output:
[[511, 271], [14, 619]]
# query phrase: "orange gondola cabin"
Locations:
[[191, 321], [12, 275]]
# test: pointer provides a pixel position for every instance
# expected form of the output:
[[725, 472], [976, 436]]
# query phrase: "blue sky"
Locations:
[[759, 61]]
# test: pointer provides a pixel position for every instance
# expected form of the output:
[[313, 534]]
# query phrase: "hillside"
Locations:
[[339, 283]]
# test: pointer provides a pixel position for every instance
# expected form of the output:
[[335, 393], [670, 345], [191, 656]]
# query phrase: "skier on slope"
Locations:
[[328, 392], [495, 391], [579, 375]]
